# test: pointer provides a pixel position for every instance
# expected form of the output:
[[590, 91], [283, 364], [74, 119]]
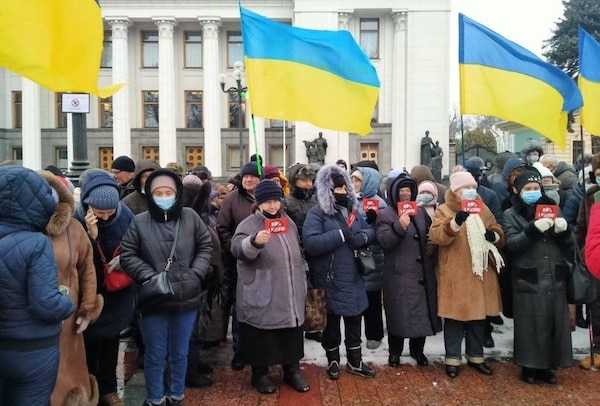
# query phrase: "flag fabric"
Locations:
[[55, 43], [321, 77], [502, 79], [589, 81]]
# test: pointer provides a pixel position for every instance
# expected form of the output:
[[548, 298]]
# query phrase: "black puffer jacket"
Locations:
[[148, 242]]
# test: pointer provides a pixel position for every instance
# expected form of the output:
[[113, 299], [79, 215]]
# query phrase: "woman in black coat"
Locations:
[[409, 280], [541, 315]]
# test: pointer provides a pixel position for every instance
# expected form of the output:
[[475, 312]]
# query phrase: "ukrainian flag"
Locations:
[[321, 77], [589, 81], [57, 44], [502, 79]]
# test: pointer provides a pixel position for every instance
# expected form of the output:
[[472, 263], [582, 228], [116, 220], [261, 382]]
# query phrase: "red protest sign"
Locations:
[[370, 204], [472, 206], [277, 226], [546, 211], [351, 218], [409, 208]]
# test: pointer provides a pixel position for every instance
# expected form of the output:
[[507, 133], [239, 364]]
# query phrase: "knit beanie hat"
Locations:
[[123, 163], [428, 186], [267, 190], [175, 167], [525, 177], [270, 171], [103, 197], [357, 174], [163, 181], [250, 169], [191, 180], [461, 179], [544, 172]]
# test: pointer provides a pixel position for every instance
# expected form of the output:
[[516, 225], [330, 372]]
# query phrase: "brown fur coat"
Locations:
[[74, 384], [462, 295]]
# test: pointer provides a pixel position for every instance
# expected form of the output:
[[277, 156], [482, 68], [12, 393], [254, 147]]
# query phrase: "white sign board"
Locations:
[[75, 103]]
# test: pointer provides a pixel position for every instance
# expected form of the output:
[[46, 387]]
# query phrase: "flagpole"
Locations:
[[259, 164], [462, 143], [284, 151], [582, 155]]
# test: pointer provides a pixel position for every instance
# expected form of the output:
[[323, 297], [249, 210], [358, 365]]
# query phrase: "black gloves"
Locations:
[[358, 240], [371, 216], [348, 234], [460, 217], [490, 235]]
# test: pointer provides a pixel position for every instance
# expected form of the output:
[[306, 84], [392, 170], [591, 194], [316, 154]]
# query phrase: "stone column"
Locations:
[[211, 95], [167, 134], [399, 152], [120, 74], [31, 125]]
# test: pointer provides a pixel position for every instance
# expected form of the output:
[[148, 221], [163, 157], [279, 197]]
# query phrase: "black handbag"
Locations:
[[158, 287], [581, 284], [365, 261]]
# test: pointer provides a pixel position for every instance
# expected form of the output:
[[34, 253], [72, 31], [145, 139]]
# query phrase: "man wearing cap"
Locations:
[[236, 206], [106, 219], [123, 169]]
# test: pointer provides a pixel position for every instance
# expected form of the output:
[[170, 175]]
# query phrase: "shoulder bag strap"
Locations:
[[170, 259]]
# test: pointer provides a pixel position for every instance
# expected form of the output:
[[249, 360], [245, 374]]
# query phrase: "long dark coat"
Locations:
[[541, 315]]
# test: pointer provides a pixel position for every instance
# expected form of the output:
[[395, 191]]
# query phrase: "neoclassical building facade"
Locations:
[[172, 57]]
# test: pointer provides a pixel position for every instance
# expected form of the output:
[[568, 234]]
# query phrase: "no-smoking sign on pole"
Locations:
[[75, 103]]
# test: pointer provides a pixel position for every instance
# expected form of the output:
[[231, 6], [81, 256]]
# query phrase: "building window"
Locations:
[[150, 100], [150, 49], [235, 48], [576, 150], [17, 155], [61, 159], [150, 152], [106, 61], [369, 37], [194, 156], [106, 113], [233, 157], [193, 49], [234, 111], [17, 103], [276, 155], [595, 144], [369, 152], [193, 109], [375, 115], [61, 118], [279, 123], [105, 155]]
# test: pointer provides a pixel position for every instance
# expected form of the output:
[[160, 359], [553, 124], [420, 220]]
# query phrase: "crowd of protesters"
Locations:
[[449, 258]]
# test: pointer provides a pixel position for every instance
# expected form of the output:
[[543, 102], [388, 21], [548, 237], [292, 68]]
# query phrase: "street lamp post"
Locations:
[[237, 94]]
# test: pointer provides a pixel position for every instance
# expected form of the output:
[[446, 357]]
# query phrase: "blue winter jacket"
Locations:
[[31, 306], [330, 257], [570, 210]]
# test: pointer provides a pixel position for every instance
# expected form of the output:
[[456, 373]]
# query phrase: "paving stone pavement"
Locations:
[[407, 385]]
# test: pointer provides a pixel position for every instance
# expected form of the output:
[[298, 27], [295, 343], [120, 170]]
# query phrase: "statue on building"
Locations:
[[426, 150], [436, 164], [321, 148], [312, 151]]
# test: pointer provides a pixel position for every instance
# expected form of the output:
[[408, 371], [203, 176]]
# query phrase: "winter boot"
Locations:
[[293, 377], [333, 363], [356, 365]]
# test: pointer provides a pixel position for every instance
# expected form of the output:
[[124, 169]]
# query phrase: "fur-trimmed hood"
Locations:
[[64, 209], [324, 187]]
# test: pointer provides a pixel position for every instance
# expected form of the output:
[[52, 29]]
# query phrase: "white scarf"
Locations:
[[480, 247]]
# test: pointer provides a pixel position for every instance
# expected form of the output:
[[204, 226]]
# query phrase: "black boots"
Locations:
[[261, 380], [356, 365], [333, 363], [293, 377]]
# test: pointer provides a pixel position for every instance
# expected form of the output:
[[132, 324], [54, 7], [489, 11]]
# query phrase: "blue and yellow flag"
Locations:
[[502, 79], [321, 77], [55, 43], [589, 81]]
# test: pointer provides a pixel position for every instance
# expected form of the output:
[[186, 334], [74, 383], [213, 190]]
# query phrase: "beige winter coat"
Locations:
[[462, 295], [74, 384]]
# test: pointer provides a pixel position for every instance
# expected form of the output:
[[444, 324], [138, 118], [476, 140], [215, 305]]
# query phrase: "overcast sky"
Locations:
[[525, 22]]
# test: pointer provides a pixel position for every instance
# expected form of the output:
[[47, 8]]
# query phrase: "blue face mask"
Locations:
[[531, 196], [424, 198], [469, 194], [165, 203]]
